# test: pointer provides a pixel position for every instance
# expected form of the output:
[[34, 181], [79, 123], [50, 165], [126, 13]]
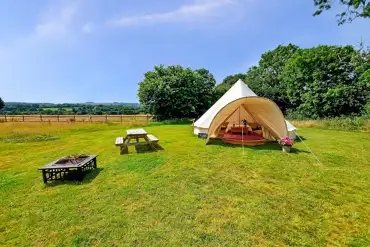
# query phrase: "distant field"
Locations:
[[56, 109], [137, 119], [189, 194]]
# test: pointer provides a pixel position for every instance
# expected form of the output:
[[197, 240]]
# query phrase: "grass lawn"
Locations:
[[187, 194]]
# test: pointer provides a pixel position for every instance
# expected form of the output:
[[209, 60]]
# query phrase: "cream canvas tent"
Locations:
[[239, 100]]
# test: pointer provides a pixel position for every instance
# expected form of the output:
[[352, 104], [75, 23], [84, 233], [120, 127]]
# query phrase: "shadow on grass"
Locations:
[[274, 146], [73, 178], [277, 147], [268, 146], [299, 140], [221, 143], [147, 149], [297, 151]]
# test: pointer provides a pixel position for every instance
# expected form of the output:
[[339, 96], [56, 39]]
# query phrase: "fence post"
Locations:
[[121, 118], [90, 120], [74, 117], [23, 117], [58, 118], [5, 118], [41, 118], [106, 118]]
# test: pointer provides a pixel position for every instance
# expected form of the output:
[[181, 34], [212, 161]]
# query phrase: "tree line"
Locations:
[[67, 109], [311, 83]]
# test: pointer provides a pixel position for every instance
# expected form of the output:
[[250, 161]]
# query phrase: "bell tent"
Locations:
[[241, 116]]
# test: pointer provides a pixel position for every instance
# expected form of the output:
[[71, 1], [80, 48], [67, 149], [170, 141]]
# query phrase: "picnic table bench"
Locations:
[[153, 138], [135, 134]]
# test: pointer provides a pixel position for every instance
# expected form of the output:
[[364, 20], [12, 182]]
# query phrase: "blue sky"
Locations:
[[91, 50]]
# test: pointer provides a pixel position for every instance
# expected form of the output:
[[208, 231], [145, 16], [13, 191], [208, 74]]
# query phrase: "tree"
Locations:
[[226, 84], [354, 9], [361, 61], [175, 92], [327, 81], [1, 103], [265, 80]]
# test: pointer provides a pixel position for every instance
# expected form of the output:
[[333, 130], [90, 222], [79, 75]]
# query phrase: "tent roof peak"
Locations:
[[242, 84]]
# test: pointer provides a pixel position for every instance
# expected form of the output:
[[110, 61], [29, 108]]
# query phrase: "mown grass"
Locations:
[[188, 194]]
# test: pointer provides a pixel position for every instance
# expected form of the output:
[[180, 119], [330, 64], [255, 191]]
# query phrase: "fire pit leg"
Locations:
[[79, 174], [44, 176], [94, 160]]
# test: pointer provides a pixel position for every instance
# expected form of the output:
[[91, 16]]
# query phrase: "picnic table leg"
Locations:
[[124, 147], [150, 143]]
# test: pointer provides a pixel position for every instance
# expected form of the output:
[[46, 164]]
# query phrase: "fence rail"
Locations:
[[76, 118]]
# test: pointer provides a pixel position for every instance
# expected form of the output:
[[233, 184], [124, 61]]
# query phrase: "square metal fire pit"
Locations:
[[73, 164]]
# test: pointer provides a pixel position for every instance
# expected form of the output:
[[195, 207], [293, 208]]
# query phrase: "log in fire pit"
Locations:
[[69, 165]]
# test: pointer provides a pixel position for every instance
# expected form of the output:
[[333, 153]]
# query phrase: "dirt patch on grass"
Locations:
[[28, 138]]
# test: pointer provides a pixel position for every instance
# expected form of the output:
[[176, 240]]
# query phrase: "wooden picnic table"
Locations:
[[135, 134]]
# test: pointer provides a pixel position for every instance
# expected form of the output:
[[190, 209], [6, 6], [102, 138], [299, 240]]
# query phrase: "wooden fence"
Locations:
[[77, 118]]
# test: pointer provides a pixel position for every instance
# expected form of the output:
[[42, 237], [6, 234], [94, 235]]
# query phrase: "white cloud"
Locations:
[[88, 28], [57, 22], [198, 11]]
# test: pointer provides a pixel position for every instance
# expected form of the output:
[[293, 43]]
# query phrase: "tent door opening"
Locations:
[[241, 128]]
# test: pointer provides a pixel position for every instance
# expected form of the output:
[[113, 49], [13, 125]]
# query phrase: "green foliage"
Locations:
[[265, 80], [1, 103], [173, 122], [293, 114], [354, 9], [362, 63], [176, 92], [325, 82], [68, 108], [226, 84], [366, 110]]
